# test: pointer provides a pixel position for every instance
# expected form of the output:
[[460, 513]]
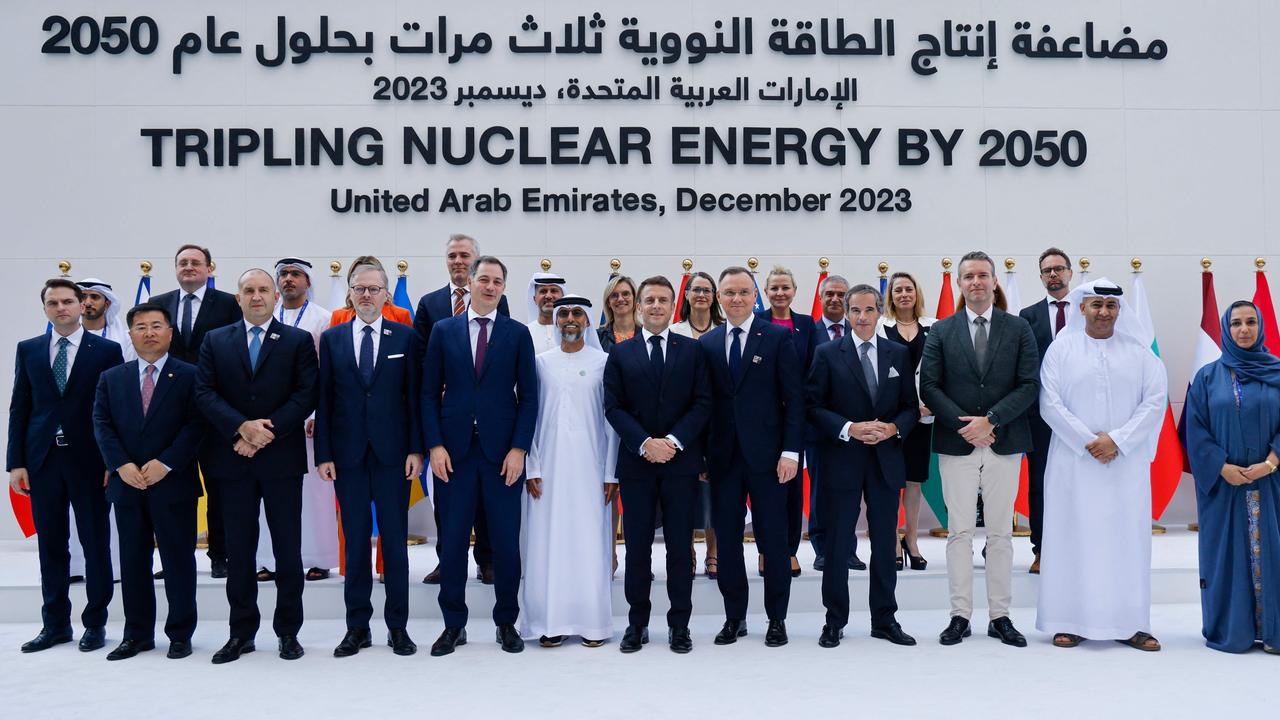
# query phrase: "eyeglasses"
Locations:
[[699, 291], [732, 294], [367, 289], [1054, 270]]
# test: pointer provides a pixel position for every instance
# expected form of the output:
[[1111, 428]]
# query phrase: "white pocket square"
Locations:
[[397, 355], [893, 372]]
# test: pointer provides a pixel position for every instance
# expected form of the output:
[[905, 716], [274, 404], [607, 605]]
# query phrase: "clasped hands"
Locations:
[[659, 450], [1103, 448], [254, 435], [1239, 475], [872, 432], [144, 477], [978, 432]]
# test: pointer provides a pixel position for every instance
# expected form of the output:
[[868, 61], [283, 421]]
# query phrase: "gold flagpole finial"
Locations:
[[403, 267], [823, 264], [545, 264], [946, 264], [1009, 263], [146, 268], [687, 264], [1205, 264], [1136, 264], [1259, 263], [753, 263], [615, 264], [335, 268], [64, 267], [883, 267]]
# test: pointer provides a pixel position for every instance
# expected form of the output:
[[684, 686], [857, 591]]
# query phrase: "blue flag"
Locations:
[[401, 296], [759, 308]]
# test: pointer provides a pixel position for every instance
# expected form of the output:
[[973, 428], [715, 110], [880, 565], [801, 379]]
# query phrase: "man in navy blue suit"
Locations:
[[54, 458], [368, 442], [657, 397], [862, 400], [452, 299], [479, 408], [753, 451], [149, 429], [256, 386]]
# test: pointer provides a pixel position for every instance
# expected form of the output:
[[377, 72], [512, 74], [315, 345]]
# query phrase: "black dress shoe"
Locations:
[[956, 631], [234, 648], [352, 643], [46, 639], [450, 639], [128, 648], [1002, 627], [290, 648], [732, 630], [75, 579], [217, 569], [893, 633], [179, 649], [634, 639], [433, 577], [485, 573], [820, 563], [830, 636], [679, 640], [776, 635], [856, 564], [400, 642], [93, 639], [509, 639]]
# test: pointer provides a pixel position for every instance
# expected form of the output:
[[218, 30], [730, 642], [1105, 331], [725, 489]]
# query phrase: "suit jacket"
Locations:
[[37, 410], [502, 403], [1037, 316], [803, 336], [383, 415], [763, 410], [218, 309], [837, 393], [438, 305], [171, 431], [281, 389], [639, 405], [952, 384]]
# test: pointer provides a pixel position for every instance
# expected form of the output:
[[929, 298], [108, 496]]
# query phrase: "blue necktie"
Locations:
[[366, 355], [655, 358], [60, 365], [255, 345], [735, 354], [186, 317]]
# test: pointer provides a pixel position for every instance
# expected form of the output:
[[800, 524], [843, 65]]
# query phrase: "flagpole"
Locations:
[[1010, 296], [1205, 265], [1136, 264]]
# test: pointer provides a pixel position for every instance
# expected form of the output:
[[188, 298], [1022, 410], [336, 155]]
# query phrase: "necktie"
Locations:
[[60, 365], [148, 388], [482, 343], [980, 342], [1061, 320], [655, 357], [255, 345], [187, 305], [458, 305], [735, 354], [868, 371], [366, 355], [837, 331]]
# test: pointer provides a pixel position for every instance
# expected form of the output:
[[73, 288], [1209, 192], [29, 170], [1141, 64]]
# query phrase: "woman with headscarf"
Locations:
[[1233, 441]]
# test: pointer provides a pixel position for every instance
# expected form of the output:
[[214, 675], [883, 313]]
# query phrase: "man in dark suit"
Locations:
[[53, 457], [368, 441], [657, 397], [195, 309], [452, 299], [256, 387], [479, 408], [978, 375], [862, 400], [149, 429], [1046, 318], [753, 450], [833, 327]]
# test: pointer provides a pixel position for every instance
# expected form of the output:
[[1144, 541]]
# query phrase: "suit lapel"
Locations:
[[164, 380], [675, 345], [270, 339], [718, 357], [749, 350], [496, 333], [41, 366], [242, 347], [849, 351], [996, 336], [384, 349], [883, 364], [966, 342], [84, 355]]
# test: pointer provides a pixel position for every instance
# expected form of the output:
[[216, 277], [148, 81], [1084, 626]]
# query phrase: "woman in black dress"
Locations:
[[905, 322]]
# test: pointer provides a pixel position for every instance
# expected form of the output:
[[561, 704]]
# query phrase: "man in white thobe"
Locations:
[[298, 308], [566, 538], [1103, 394], [544, 290]]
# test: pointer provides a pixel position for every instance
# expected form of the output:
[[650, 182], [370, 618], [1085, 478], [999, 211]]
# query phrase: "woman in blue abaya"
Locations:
[[1233, 440]]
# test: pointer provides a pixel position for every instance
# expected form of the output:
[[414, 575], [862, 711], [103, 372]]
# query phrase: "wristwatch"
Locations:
[[991, 417]]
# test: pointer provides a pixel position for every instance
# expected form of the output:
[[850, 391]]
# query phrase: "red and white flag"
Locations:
[[1267, 311], [1208, 348]]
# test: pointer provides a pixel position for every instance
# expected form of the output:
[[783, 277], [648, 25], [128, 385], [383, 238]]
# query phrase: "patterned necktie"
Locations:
[[458, 305], [868, 371], [255, 345], [148, 388], [366, 355], [735, 354], [837, 331], [187, 305], [482, 343], [655, 357], [1061, 320], [980, 341], [60, 365]]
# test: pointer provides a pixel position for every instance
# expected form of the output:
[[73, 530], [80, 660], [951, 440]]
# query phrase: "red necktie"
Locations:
[[458, 305], [837, 331], [1061, 320], [148, 388], [482, 343]]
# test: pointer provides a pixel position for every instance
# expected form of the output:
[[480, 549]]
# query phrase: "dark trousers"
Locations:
[[730, 488], [482, 551], [840, 510], [475, 479], [1036, 463], [60, 483], [642, 497], [817, 525], [216, 531], [383, 485], [281, 498], [171, 527]]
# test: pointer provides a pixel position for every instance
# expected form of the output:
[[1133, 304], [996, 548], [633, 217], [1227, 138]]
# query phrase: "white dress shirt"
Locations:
[[357, 336], [826, 327], [728, 335], [973, 327], [195, 304], [142, 369], [473, 327], [873, 356], [73, 345], [248, 332], [1053, 314]]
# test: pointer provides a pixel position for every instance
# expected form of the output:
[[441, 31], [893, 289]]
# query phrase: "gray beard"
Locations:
[[571, 337]]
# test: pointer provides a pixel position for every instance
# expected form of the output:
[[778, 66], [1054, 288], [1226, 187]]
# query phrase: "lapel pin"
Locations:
[[757, 359], [386, 332], [273, 336], [170, 374]]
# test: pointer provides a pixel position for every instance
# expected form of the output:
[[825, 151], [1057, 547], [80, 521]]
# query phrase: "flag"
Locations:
[[400, 298], [144, 290], [1013, 303], [679, 298], [1166, 469], [210, 283], [817, 318], [932, 489], [1267, 313], [884, 288], [759, 306], [1208, 348]]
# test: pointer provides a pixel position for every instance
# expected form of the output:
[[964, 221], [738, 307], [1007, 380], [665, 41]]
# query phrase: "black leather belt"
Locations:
[[60, 440]]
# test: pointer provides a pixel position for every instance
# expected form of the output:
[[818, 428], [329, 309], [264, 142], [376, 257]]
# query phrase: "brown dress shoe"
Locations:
[[1035, 565]]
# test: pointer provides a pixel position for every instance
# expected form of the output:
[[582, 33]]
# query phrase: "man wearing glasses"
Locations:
[[1046, 317]]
